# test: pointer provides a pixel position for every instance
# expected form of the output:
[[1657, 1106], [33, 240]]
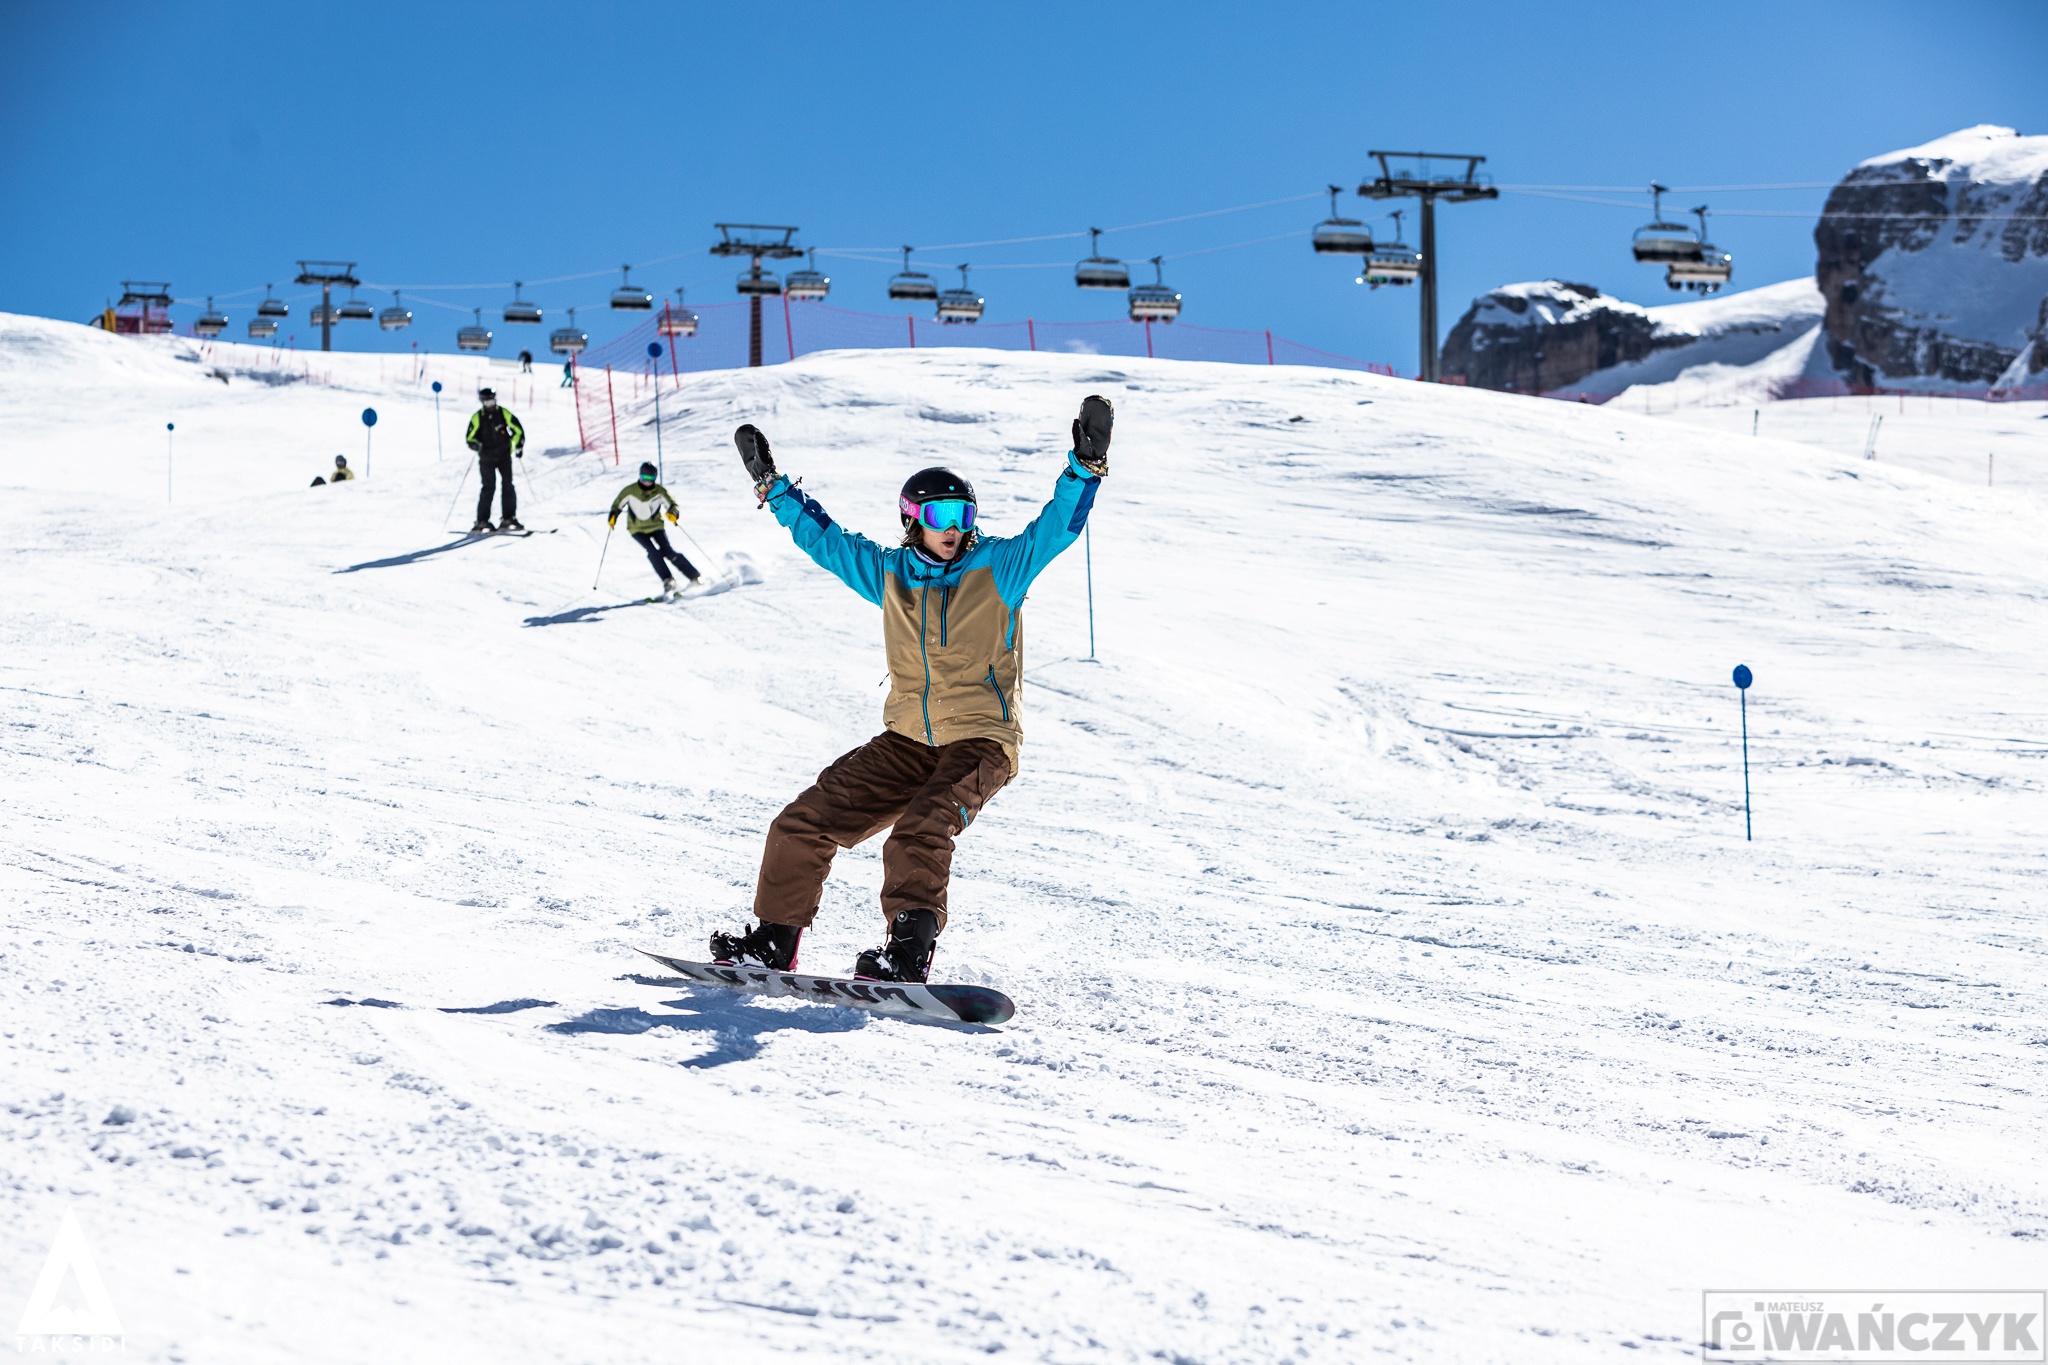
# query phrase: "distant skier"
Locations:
[[951, 600], [341, 473], [526, 363], [496, 437], [645, 502], [568, 375]]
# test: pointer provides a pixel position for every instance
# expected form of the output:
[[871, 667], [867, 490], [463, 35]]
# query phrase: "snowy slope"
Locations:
[[1393, 977]]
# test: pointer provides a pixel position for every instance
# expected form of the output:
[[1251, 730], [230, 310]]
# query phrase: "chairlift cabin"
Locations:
[[808, 283], [676, 319], [211, 323], [521, 312], [1341, 236], [397, 317], [962, 304], [1706, 275], [629, 297], [1660, 243], [476, 336], [1392, 262], [272, 307], [1100, 271], [353, 309], [568, 340], [260, 328], [912, 286], [756, 283], [320, 315], [1154, 302]]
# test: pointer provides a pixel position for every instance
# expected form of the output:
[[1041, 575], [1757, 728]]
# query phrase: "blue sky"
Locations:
[[212, 145]]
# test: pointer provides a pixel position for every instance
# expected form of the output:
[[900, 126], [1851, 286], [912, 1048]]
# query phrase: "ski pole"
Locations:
[[694, 541], [458, 491], [609, 528], [1088, 556]]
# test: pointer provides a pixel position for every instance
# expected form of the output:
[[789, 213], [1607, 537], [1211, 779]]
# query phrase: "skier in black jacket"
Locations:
[[496, 437]]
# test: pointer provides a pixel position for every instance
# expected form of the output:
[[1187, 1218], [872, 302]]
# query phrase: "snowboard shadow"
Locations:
[[412, 557], [737, 1025]]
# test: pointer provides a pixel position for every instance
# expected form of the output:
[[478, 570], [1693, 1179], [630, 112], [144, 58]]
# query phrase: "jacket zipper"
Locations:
[[924, 601], [1001, 700]]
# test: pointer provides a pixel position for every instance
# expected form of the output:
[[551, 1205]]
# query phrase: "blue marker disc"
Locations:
[[369, 417], [1743, 677], [437, 386], [654, 350], [170, 426]]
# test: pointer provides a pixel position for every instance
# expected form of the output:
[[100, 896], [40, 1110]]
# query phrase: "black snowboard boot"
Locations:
[[907, 956], [765, 945], [482, 528], [511, 524]]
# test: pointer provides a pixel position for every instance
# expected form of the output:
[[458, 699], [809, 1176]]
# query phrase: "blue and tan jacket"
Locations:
[[953, 632]]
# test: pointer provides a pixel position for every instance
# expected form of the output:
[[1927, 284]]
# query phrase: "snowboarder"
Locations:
[[526, 364], [341, 473], [568, 374], [645, 502], [496, 437], [951, 600]]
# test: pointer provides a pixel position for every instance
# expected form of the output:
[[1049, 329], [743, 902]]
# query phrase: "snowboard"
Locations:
[[949, 1004]]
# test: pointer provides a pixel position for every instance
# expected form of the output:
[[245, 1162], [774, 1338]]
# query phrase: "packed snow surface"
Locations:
[[1393, 977]]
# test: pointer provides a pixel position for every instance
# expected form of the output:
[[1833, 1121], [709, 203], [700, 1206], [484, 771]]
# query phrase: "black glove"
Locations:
[[1091, 434], [753, 448], [612, 520]]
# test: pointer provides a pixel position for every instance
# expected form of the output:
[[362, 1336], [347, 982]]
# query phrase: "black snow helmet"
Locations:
[[647, 469], [491, 394], [928, 485], [341, 462]]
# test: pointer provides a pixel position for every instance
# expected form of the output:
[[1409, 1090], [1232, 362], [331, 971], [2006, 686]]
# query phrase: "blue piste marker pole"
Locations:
[[654, 354], [369, 421], [1743, 678], [170, 437], [437, 421]]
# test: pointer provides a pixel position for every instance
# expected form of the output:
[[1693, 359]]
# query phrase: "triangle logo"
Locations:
[[70, 1298]]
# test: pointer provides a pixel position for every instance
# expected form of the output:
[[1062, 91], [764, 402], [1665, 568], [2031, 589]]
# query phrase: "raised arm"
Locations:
[[1021, 558], [854, 559]]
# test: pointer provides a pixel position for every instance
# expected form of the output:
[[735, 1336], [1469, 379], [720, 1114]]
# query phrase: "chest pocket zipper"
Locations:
[[1001, 700]]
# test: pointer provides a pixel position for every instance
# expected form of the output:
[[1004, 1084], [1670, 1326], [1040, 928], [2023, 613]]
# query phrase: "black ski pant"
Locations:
[[661, 554], [488, 470], [924, 795]]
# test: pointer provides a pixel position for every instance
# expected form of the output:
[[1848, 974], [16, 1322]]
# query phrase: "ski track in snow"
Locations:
[[1393, 978]]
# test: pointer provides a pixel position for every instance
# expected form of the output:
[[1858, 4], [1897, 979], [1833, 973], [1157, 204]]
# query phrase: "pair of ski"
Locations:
[[945, 1003]]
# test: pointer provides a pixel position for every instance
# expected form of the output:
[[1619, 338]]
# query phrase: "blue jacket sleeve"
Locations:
[[1019, 559], [856, 560]]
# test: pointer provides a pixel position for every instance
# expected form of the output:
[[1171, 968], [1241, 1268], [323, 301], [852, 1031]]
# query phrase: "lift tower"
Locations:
[[1428, 176], [754, 240], [327, 274]]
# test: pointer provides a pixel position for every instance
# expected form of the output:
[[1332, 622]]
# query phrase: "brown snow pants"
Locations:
[[928, 795]]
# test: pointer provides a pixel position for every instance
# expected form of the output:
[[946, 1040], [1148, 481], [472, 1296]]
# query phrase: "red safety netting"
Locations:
[[620, 371]]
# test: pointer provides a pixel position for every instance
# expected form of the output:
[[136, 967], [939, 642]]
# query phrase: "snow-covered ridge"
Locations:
[[1549, 336], [1986, 154], [1934, 262]]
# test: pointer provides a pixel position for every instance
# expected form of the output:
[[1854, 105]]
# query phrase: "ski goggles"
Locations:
[[941, 514]]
